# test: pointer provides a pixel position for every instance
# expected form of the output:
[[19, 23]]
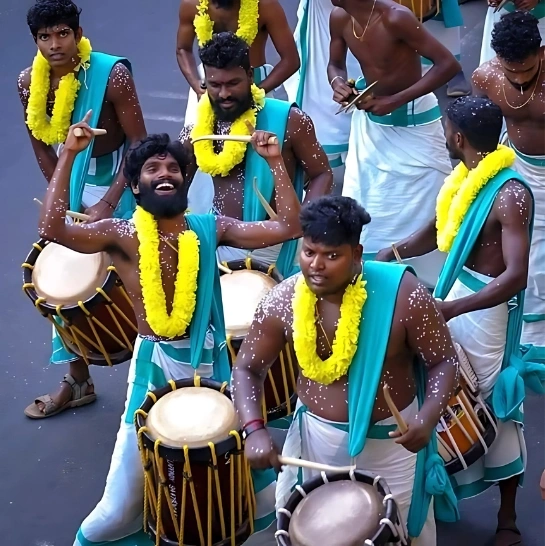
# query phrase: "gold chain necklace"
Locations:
[[319, 322], [532, 94], [360, 38]]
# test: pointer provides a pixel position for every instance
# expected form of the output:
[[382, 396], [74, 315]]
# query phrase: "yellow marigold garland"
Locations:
[[248, 17], [53, 131], [153, 294], [461, 188], [346, 336], [233, 152]]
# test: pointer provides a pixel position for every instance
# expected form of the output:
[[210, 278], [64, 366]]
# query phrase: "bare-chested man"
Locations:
[[397, 159], [252, 20], [98, 185], [483, 220], [141, 250], [515, 81], [226, 172], [321, 313]]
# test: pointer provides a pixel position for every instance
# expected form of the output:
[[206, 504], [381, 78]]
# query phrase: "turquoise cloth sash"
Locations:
[[450, 14], [508, 393], [273, 117], [383, 281], [94, 83], [209, 307]]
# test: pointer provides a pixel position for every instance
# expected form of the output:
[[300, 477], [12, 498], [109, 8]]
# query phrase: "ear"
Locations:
[[135, 189], [251, 75], [357, 253], [79, 34], [460, 140]]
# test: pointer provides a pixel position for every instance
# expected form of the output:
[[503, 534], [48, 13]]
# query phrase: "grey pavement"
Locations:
[[53, 471]]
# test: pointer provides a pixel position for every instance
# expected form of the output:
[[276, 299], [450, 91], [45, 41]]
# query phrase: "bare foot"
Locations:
[[508, 536]]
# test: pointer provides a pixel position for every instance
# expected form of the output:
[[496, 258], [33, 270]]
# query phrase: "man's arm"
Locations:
[[277, 26], [310, 154], [512, 209], [122, 94], [336, 67], [45, 154], [417, 244], [428, 337], [286, 226], [403, 24], [85, 238], [184, 45]]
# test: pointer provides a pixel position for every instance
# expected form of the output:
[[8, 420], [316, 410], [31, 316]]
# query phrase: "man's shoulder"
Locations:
[[486, 72], [278, 301], [24, 78], [514, 193]]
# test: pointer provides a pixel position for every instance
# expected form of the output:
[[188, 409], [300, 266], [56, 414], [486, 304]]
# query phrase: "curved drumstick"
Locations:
[[71, 213], [393, 409], [290, 461], [78, 132], [234, 138]]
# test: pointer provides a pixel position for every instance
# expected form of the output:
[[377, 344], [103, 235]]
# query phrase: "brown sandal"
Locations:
[[79, 398]]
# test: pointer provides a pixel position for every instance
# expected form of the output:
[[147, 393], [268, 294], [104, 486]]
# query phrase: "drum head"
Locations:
[[192, 416], [64, 277], [241, 293], [341, 513]]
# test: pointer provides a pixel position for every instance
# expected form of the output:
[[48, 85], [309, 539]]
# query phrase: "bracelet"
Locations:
[[252, 426], [252, 422], [335, 78], [109, 204]]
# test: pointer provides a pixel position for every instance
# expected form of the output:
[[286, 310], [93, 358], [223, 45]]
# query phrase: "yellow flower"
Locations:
[[346, 336], [53, 131], [248, 17], [151, 281], [233, 152], [461, 188]]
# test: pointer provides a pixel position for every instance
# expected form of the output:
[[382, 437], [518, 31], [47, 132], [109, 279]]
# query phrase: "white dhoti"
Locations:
[[260, 73], [312, 438], [119, 513], [487, 53], [482, 334], [395, 167], [532, 169], [310, 87]]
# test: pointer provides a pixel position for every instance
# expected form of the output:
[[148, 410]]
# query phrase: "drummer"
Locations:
[[226, 172], [180, 320], [97, 185], [350, 337], [483, 221]]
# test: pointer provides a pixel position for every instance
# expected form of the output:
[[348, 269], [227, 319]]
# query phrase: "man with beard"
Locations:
[[67, 79], [515, 81], [227, 177], [396, 155], [166, 260], [354, 327], [252, 20], [484, 221]]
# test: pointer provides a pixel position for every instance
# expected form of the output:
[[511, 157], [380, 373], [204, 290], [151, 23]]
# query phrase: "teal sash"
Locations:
[[509, 392], [94, 82], [383, 281], [273, 117], [209, 307], [450, 14]]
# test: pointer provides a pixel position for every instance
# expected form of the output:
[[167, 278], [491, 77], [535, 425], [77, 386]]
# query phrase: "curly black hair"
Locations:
[[516, 36], [333, 220], [49, 13], [479, 120], [225, 50], [140, 152]]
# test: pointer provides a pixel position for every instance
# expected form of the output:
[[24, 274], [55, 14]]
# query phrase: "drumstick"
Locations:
[[396, 254], [78, 132], [263, 201], [393, 409], [314, 466], [364, 93], [234, 138], [70, 213]]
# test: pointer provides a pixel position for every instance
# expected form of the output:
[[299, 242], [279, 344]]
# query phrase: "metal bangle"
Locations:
[[335, 78]]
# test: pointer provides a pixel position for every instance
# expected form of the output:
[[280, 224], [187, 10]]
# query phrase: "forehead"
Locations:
[[60, 27], [523, 66], [224, 75], [159, 160], [326, 249]]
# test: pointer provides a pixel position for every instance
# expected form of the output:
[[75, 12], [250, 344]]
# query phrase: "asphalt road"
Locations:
[[53, 471]]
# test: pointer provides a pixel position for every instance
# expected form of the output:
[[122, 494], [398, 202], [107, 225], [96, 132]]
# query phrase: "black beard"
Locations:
[[232, 115], [223, 4], [163, 207]]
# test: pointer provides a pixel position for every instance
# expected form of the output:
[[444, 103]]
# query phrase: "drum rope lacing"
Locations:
[[153, 501]]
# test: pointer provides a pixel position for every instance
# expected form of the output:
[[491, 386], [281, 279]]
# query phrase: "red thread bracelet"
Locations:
[[253, 421]]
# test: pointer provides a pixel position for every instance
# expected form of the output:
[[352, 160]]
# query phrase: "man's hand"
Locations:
[[75, 143], [493, 3], [447, 308], [260, 143], [99, 211], [416, 437], [380, 106], [526, 5], [542, 485], [342, 92], [384, 255], [260, 451]]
